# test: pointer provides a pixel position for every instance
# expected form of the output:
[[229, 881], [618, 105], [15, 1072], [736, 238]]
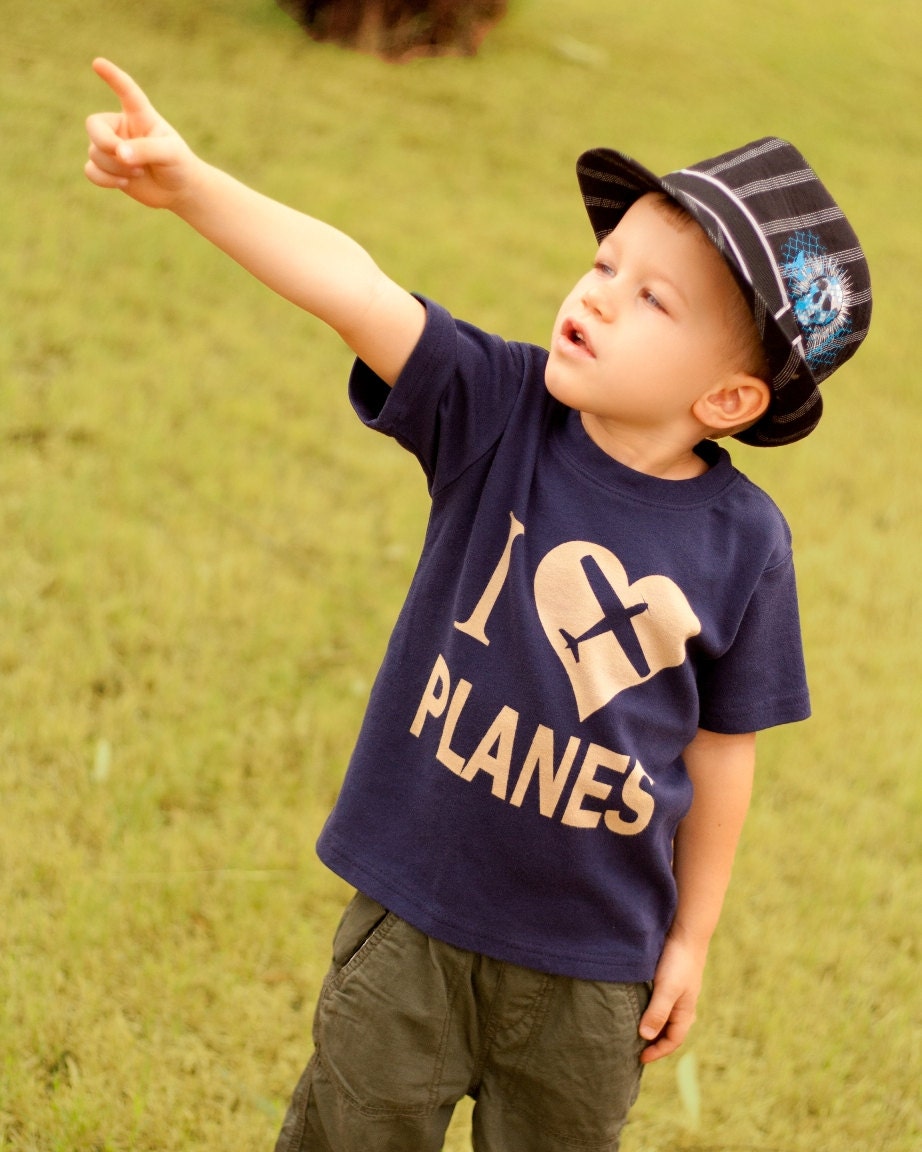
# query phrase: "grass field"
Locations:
[[202, 553]]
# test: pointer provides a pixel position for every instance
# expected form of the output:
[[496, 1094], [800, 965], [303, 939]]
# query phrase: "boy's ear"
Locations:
[[739, 400]]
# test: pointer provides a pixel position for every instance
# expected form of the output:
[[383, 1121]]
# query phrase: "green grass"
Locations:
[[203, 553]]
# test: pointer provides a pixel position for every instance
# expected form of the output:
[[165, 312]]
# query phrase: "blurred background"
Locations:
[[203, 552]]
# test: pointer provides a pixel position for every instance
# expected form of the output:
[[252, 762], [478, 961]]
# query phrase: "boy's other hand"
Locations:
[[671, 1011], [136, 150]]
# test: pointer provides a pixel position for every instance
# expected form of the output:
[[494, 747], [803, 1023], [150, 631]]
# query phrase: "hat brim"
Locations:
[[610, 182]]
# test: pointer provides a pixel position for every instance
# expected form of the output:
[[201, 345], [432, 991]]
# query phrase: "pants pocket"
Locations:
[[359, 921], [384, 1015]]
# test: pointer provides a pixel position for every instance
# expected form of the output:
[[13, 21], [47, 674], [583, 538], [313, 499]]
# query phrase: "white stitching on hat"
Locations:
[[770, 144], [792, 365], [790, 417], [793, 223], [772, 183]]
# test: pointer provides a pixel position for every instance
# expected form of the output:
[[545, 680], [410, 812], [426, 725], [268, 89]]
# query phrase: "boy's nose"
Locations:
[[600, 299]]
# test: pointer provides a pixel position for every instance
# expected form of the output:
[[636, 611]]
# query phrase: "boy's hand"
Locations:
[[671, 1011], [135, 150], [310, 263]]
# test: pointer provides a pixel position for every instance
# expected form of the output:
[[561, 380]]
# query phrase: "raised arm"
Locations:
[[721, 769], [303, 259]]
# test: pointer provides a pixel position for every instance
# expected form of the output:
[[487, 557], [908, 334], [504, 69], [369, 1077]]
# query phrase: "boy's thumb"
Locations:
[[146, 150], [648, 1030], [656, 1017]]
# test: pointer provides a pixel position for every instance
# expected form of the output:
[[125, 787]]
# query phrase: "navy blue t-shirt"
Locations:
[[518, 777]]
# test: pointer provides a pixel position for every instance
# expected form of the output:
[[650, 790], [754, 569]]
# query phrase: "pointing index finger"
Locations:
[[135, 103]]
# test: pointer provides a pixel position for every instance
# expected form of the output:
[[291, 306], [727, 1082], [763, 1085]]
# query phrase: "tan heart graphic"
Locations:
[[608, 633]]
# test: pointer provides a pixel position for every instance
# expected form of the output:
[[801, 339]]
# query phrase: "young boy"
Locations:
[[542, 809]]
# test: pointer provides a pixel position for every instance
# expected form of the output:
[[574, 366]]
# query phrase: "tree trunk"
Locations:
[[399, 29]]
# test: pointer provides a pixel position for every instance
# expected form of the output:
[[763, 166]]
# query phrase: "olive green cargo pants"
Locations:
[[406, 1026]]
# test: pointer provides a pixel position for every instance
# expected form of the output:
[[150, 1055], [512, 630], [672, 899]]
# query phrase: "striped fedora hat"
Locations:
[[793, 253]]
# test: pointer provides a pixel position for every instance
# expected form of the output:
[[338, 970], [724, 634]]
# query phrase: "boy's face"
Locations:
[[643, 334]]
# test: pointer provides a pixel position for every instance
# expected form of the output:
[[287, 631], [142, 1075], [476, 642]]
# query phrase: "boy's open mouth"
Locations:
[[572, 332]]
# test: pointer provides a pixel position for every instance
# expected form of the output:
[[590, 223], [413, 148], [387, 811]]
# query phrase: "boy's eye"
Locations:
[[652, 300], [603, 269]]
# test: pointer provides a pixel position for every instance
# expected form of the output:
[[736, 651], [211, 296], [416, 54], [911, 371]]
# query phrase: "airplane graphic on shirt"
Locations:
[[617, 618], [609, 632]]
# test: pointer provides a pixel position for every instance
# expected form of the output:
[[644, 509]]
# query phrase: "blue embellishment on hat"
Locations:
[[820, 291]]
